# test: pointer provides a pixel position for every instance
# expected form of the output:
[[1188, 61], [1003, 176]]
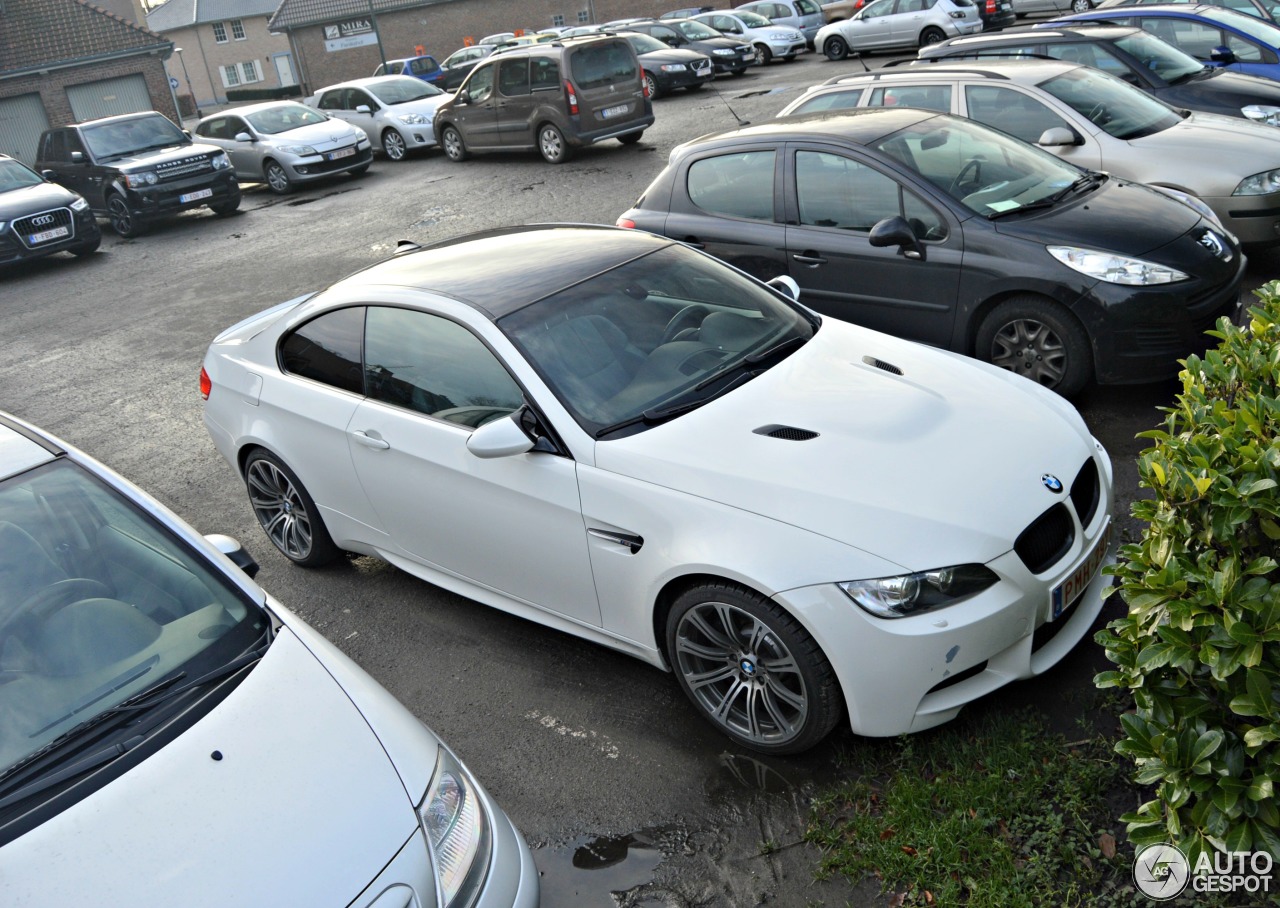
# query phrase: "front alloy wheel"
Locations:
[[751, 669], [122, 219], [1039, 340], [454, 149], [277, 178], [393, 145], [287, 514]]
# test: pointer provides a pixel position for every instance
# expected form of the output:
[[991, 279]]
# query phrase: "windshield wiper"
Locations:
[[1087, 180]]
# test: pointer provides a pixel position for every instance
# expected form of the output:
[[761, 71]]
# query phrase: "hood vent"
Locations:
[[881, 364], [788, 433]]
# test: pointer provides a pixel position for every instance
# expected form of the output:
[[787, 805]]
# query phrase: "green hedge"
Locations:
[[1200, 646], [264, 94]]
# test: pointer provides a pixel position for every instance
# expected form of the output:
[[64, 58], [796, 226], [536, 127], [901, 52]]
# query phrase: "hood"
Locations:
[[320, 136], [672, 55], [938, 466], [723, 43], [1229, 88], [18, 203], [1119, 216], [154, 157], [1184, 147], [304, 808]]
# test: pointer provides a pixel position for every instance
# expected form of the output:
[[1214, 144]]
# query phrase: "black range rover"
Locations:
[[135, 167], [40, 218]]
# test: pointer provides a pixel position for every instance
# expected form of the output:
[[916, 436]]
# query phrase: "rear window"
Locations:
[[598, 65]]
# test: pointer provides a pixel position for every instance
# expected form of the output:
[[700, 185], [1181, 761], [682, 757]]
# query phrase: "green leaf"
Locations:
[[1260, 485], [1260, 789], [1256, 737], [1206, 745]]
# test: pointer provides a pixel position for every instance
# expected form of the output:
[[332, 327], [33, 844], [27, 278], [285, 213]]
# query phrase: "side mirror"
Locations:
[[49, 175], [786, 285], [895, 231], [235, 551], [1222, 54], [77, 157], [363, 108], [500, 438], [1057, 135], [243, 137], [187, 133]]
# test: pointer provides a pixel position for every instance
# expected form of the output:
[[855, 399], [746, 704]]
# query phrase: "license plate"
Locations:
[[614, 111], [192, 196], [45, 236], [340, 153], [1066, 591]]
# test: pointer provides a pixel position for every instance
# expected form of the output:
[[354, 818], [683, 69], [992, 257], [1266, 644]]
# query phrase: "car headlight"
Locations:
[[146, 178], [1115, 269], [723, 52], [1259, 184], [363, 141], [300, 150], [220, 161], [457, 830], [1263, 113], [1194, 203], [673, 67], [911, 594], [79, 205], [414, 119]]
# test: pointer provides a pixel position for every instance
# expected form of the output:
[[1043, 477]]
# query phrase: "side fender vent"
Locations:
[[881, 364], [788, 433]]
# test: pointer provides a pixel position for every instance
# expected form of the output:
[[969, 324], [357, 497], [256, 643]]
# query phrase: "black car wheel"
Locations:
[[223, 209], [359, 171], [122, 220], [751, 669], [89, 247], [651, 86], [287, 514], [932, 35], [1039, 340], [393, 145], [454, 148], [631, 138], [555, 150], [835, 48], [763, 54], [277, 178]]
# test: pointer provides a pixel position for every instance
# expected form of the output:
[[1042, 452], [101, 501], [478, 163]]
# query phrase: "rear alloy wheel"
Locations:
[[454, 149], [287, 514], [122, 220], [932, 35], [393, 145], [763, 54], [1039, 340], [751, 669], [555, 150], [836, 48], [277, 178], [651, 86]]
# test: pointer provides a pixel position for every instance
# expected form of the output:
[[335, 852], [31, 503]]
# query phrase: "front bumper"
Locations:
[[166, 198], [315, 167], [1254, 219], [684, 78], [16, 245], [788, 48]]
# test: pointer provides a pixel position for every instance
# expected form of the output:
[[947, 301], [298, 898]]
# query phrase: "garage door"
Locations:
[[22, 119], [109, 97]]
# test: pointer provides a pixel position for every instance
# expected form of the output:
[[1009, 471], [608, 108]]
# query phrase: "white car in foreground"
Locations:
[[171, 735], [397, 113], [615, 435]]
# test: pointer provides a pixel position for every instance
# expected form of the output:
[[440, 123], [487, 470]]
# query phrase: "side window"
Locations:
[[434, 366], [835, 191], [1192, 37], [423, 66], [665, 35], [1019, 115], [513, 77], [56, 147], [878, 9], [234, 126], [1095, 55], [1246, 51], [925, 223], [358, 97], [214, 129], [480, 83], [925, 97], [736, 185], [835, 100], [331, 100], [327, 349], [912, 6], [74, 144], [725, 24], [544, 73], [807, 8]]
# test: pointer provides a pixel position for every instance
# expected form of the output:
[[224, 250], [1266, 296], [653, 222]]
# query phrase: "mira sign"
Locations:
[[348, 34]]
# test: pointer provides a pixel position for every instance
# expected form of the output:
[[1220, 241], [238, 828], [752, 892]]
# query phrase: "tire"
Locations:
[[932, 35], [651, 85], [224, 209], [631, 138], [555, 150], [763, 55], [277, 178], [359, 171], [1039, 340], [1081, 6], [394, 146], [286, 513], [836, 48], [454, 148], [726, 638], [86, 249], [123, 221]]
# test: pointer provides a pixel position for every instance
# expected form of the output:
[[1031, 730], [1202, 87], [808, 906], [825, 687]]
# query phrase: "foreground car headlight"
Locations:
[[79, 205], [1259, 184], [146, 178], [673, 67], [1263, 113], [301, 151], [414, 119], [1196, 204], [911, 594], [1115, 269], [220, 161], [457, 829]]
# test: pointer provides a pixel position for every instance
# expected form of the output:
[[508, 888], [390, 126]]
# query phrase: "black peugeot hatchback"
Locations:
[[941, 230]]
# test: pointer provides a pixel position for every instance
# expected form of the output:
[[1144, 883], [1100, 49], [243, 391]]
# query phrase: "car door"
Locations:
[[514, 103], [361, 109], [834, 197], [246, 157], [512, 524], [78, 176], [908, 20], [1013, 110], [475, 114], [872, 27]]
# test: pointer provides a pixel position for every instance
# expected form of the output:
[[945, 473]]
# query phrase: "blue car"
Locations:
[[423, 67], [1214, 35]]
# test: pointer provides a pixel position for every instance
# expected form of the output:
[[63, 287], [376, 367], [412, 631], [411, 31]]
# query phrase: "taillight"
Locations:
[[645, 83], [991, 6], [205, 385], [625, 222], [573, 98]]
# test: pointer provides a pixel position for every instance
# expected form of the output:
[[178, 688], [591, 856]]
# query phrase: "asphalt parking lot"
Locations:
[[626, 796]]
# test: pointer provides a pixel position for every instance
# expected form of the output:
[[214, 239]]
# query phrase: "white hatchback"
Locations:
[[615, 435], [397, 113]]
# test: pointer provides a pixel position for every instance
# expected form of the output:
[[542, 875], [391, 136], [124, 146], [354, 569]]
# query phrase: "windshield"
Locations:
[[16, 175], [695, 31], [121, 137], [654, 333], [1165, 60], [1120, 109], [753, 20], [643, 44], [98, 602], [402, 89], [987, 171], [1265, 32], [275, 120]]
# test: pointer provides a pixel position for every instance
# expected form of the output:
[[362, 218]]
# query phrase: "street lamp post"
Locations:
[[186, 75]]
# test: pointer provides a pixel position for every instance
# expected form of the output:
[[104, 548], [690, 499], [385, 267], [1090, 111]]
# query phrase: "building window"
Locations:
[[219, 33], [234, 74], [557, 20], [237, 29], [583, 17]]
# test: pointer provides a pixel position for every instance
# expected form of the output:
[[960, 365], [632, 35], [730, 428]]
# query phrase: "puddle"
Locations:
[[589, 871]]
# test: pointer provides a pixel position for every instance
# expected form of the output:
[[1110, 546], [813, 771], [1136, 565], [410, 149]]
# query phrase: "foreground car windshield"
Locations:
[[988, 172], [1120, 109], [97, 603], [695, 31], [1165, 60], [111, 140], [282, 119], [672, 323], [398, 91], [15, 175]]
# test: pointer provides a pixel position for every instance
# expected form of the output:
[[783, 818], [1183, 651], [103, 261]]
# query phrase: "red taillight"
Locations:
[[991, 7], [645, 83], [573, 98], [625, 222], [205, 385]]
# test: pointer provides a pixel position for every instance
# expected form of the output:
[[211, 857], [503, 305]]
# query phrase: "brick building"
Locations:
[[63, 61]]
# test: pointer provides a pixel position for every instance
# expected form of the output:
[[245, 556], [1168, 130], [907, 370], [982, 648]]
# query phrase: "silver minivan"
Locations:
[[803, 15]]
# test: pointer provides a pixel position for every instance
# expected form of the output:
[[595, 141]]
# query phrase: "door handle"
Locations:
[[812, 259], [693, 241], [628, 541], [370, 441]]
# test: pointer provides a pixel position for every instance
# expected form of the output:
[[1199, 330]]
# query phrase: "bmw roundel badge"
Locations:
[[1051, 482]]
